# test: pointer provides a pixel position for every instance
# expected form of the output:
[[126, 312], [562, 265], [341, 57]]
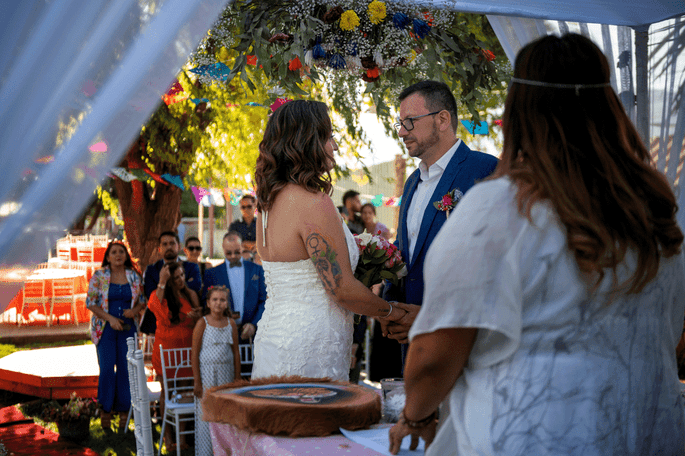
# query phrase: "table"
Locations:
[[46, 278], [228, 440]]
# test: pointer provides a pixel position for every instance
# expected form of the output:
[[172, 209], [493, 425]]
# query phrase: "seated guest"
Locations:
[[193, 251], [169, 245], [554, 294], [247, 226], [245, 281], [177, 309]]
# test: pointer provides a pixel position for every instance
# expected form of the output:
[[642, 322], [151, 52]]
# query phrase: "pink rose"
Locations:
[[447, 200]]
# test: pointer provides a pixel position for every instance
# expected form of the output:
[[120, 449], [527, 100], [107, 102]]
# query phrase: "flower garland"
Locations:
[[354, 35], [391, 43], [363, 37]]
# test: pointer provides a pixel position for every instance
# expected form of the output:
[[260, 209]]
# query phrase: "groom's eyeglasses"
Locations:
[[408, 123], [194, 248]]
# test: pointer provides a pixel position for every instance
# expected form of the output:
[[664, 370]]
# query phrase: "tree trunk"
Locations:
[[147, 215]]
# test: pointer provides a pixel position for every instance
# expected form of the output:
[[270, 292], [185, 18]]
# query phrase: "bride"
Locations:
[[307, 252]]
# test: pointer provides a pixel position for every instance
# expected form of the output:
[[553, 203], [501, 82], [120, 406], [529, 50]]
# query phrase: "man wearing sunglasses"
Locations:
[[428, 126], [245, 282], [247, 226]]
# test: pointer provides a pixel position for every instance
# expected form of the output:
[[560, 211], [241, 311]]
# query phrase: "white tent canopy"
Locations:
[[105, 64], [616, 12]]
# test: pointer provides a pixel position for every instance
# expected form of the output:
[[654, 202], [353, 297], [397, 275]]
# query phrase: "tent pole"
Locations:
[[642, 82]]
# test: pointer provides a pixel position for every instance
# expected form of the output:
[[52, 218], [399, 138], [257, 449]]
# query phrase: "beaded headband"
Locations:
[[557, 85]]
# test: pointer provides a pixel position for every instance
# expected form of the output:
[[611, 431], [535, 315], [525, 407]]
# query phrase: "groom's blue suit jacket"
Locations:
[[466, 168], [255, 289]]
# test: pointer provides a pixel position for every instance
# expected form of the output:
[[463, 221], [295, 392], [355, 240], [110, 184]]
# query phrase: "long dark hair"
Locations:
[[173, 304], [577, 149], [128, 264], [293, 151]]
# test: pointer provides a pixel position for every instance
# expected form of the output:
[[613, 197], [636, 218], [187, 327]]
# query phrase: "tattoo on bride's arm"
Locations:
[[324, 260]]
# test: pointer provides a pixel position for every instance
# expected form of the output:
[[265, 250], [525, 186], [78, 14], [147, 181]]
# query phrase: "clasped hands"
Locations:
[[398, 328]]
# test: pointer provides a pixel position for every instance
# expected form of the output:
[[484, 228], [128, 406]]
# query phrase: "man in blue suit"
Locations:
[[244, 280], [169, 245], [427, 125]]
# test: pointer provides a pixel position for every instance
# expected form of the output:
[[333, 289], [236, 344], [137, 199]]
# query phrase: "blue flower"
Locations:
[[400, 20], [318, 52], [352, 49], [421, 29], [337, 62]]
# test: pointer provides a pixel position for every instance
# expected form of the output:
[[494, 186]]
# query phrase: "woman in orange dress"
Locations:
[[177, 309]]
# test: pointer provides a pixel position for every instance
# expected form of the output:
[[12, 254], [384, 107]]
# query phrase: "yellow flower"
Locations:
[[376, 11], [349, 20], [223, 55], [412, 56]]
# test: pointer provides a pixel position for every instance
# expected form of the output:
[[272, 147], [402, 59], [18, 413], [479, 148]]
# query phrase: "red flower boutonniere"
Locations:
[[447, 203]]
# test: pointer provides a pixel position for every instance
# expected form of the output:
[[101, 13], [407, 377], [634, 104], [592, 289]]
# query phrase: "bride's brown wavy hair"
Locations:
[[577, 149], [293, 151]]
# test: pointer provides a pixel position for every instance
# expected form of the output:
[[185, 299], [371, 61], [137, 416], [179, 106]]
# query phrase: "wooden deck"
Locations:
[[51, 373], [26, 334]]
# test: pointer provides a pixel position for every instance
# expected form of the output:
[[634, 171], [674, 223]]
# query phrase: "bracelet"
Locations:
[[161, 287], [420, 424], [390, 304]]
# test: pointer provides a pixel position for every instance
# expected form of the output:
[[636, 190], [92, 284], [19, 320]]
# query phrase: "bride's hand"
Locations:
[[398, 328]]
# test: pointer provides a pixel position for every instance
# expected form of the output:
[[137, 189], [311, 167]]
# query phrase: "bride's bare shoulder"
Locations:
[[304, 200]]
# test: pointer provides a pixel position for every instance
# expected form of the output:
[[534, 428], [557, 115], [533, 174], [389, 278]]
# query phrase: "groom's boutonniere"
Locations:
[[447, 203]]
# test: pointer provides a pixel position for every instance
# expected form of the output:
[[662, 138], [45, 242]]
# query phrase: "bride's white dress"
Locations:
[[302, 331]]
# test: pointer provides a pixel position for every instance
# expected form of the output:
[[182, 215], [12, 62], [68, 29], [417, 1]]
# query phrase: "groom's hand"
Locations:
[[399, 330]]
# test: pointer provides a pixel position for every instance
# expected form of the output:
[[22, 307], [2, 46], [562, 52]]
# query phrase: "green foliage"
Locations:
[[7, 349], [110, 204], [277, 32]]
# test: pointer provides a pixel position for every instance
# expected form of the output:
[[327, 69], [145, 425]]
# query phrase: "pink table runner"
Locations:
[[227, 440]]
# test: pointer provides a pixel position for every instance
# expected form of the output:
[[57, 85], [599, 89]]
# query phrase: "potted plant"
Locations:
[[72, 418]]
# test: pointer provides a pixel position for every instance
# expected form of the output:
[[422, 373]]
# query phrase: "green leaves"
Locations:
[[451, 52]]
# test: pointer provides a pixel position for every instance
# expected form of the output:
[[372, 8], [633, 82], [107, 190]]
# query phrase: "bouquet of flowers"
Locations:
[[76, 409], [378, 260]]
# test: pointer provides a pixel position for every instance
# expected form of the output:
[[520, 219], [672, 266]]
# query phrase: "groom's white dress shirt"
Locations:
[[236, 279], [430, 177]]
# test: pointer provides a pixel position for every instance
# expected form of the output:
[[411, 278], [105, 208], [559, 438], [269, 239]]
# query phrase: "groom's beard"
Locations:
[[420, 147], [234, 264]]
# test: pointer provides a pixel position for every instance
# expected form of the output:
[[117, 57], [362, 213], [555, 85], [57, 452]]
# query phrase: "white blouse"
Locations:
[[554, 370]]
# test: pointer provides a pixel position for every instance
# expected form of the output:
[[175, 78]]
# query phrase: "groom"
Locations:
[[427, 125]]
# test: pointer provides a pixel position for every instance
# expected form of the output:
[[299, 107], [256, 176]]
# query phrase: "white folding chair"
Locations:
[[179, 403], [154, 389], [64, 290], [34, 293], [140, 400], [84, 252], [99, 239], [64, 249], [246, 358]]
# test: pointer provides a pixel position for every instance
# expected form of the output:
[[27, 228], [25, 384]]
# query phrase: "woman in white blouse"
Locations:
[[554, 293]]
